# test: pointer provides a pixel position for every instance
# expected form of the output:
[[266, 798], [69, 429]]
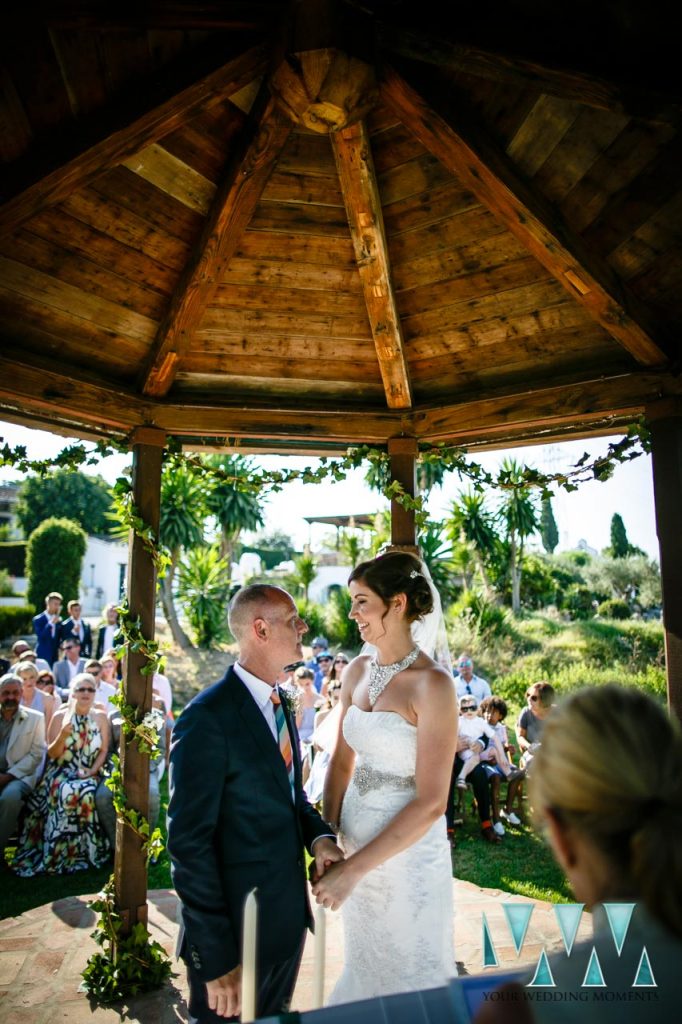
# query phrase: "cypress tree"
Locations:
[[620, 546], [548, 527]]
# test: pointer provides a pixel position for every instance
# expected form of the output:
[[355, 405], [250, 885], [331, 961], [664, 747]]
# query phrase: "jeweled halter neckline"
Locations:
[[381, 675]]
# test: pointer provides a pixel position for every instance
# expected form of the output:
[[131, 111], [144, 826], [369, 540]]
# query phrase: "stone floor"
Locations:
[[43, 952]]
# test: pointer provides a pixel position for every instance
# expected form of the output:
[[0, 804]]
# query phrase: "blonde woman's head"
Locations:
[[610, 768]]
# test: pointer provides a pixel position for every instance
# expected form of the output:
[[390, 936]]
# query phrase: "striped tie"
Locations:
[[284, 738]]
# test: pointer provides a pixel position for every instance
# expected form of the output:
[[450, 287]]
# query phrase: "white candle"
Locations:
[[249, 957], [320, 956]]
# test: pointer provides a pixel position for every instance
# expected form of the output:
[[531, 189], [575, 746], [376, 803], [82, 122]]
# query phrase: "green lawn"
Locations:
[[520, 864]]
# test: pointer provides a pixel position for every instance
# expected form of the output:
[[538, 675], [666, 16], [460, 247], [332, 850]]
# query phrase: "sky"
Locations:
[[581, 515]]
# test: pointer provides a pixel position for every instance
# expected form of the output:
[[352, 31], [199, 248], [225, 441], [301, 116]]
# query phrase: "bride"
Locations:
[[387, 789]]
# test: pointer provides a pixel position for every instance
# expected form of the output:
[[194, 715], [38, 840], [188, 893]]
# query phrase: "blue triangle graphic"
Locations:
[[489, 954], [543, 977], [518, 916], [593, 975], [568, 915], [645, 976], [619, 915]]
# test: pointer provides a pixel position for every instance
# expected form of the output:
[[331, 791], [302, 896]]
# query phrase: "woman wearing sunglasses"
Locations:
[[531, 721], [61, 832], [338, 666]]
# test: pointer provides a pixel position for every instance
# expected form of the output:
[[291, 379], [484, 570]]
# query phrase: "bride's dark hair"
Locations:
[[397, 572]]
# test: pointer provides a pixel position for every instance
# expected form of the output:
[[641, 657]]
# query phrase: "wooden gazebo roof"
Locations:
[[295, 227]]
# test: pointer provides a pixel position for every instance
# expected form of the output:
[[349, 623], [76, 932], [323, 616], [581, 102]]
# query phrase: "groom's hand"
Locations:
[[224, 994], [326, 853]]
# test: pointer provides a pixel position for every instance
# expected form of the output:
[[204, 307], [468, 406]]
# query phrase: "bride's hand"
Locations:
[[336, 885]]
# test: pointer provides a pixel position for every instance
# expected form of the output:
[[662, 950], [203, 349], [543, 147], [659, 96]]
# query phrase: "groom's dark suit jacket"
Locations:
[[233, 826]]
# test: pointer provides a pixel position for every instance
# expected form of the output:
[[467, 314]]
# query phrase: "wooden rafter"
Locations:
[[518, 413], [79, 15], [482, 167], [578, 86], [32, 390], [108, 136], [255, 155], [354, 163]]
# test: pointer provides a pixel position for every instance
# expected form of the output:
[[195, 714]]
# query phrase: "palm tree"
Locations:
[[472, 523], [204, 586], [181, 527], [437, 555], [518, 512], [306, 571], [234, 506]]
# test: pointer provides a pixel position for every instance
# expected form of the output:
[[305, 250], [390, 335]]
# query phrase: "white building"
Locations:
[[103, 574]]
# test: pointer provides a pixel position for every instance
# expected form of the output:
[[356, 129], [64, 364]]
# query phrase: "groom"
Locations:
[[238, 817]]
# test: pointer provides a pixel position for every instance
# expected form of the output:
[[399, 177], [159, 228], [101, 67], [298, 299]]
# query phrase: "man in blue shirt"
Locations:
[[468, 683]]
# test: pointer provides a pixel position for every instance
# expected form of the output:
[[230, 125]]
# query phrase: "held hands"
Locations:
[[336, 886], [224, 994], [326, 853]]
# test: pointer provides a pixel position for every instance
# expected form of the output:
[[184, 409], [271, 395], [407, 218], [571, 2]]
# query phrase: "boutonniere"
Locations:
[[291, 699]]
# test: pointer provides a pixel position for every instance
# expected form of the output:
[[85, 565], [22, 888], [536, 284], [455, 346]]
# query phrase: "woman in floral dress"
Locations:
[[61, 832]]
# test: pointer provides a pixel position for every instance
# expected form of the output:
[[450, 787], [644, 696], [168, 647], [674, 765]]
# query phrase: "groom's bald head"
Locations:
[[251, 603]]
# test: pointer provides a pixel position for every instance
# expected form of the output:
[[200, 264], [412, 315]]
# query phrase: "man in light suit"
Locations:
[[46, 628], [76, 626], [22, 753], [69, 666], [238, 818]]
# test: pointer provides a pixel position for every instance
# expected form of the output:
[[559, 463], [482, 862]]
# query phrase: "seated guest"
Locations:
[[46, 628], [478, 780], [614, 823], [75, 626], [61, 831], [468, 684], [531, 721], [109, 665], [336, 670], [319, 646], [105, 691], [104, 798], [107, 632], [69, 666], [21, 648], [494, 711], [45, 682], [22, 751], [307, 702], [32, 697], [481, 736]]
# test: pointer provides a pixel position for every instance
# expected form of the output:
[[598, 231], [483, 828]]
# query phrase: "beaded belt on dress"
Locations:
[[367, 779]]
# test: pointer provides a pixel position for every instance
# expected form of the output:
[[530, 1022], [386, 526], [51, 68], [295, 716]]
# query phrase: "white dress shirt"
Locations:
[[261, 693]]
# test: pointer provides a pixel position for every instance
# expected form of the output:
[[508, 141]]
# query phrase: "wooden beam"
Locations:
[[107, 137], [428, 46], [84, 15], [251, 164], [453, 138], [527, 413], [403, 453], [666, 453], [354, 163], [130, 865]]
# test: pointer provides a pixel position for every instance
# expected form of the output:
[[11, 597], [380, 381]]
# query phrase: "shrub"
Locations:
[[340, 629], [313, 615], [615, 608], [6, 588], [204, 588], [53, 560], [578, 601], [484, 616], [16, 621], [13, 557]]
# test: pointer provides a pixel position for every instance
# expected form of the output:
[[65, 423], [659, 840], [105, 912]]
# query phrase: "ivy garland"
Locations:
[[135, 963]]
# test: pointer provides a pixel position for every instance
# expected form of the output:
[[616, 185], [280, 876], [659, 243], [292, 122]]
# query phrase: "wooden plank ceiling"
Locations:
[[484, 248]]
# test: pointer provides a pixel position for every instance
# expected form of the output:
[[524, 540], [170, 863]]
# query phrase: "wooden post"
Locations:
[[665, 422], [130, 868], [403, 454]]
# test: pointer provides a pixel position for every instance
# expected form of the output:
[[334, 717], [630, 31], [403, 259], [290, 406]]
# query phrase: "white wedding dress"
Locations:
[[398, 921]]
